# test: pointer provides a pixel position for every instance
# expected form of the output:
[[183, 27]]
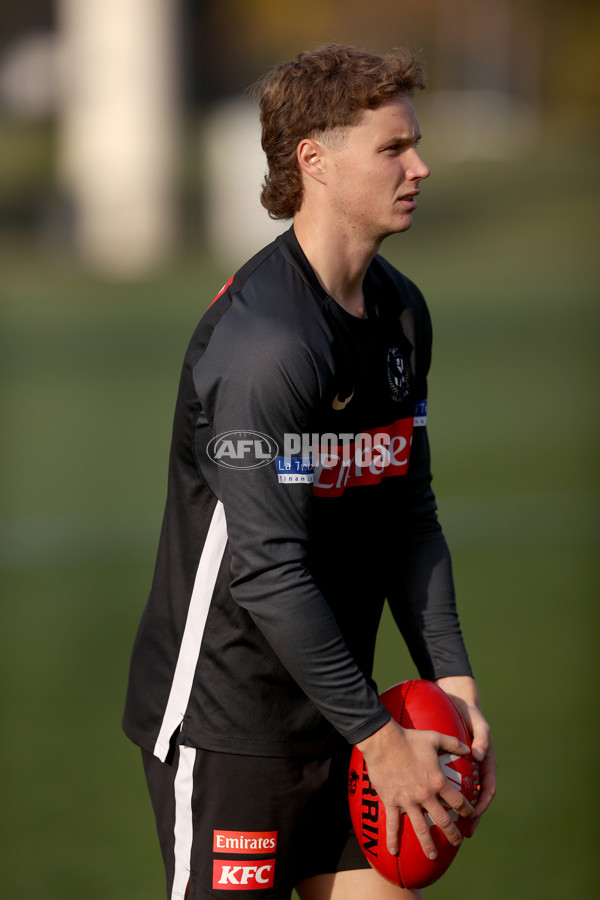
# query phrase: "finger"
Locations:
[[392, 829], [487, 771], [457, 802], [451, 744], [485, 798], [487, 776], [470, 827], [441, 817], [481, 736], [421, 829], [479, 749]]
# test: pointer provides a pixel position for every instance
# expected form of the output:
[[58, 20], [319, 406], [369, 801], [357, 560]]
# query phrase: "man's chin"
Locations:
[[399, 228], [405, 224]]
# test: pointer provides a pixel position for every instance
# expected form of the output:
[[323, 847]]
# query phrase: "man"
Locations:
[[299, 499]]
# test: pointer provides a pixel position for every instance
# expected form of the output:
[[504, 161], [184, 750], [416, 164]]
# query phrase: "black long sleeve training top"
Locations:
[[299, 498]]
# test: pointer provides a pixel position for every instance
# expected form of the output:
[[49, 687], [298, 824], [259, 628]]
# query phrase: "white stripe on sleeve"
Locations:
[[204, 584]]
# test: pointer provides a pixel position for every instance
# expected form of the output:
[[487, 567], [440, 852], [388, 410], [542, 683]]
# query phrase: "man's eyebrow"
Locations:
[[412, 138]]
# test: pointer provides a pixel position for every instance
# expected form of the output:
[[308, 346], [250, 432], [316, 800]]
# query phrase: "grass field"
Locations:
[[506, 254]]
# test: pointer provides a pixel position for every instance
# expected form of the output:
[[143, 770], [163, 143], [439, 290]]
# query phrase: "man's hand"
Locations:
[[463, 691], [405, 771]]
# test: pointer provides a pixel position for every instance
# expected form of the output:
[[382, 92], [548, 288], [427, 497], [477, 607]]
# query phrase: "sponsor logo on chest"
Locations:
[[334, 462], [371, 457]]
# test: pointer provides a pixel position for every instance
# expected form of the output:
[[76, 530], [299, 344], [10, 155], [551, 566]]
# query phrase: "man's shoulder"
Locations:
[[275, 295], [271, 279], [268, 314], [261, 263]]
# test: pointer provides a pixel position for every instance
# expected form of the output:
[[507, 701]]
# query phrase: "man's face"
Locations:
[[373, 180]]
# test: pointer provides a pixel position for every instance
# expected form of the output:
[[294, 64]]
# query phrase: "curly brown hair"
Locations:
[[323, 90]]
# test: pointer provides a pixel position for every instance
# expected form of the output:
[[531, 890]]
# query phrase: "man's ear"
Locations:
[[311, 156]]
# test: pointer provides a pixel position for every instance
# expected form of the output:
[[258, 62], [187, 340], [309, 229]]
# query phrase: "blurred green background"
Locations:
[[505, 250]]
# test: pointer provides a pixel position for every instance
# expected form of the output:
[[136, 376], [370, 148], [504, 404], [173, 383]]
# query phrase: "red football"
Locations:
[[413, 704]]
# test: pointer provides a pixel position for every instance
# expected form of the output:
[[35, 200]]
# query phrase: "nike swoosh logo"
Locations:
[[341, 404]]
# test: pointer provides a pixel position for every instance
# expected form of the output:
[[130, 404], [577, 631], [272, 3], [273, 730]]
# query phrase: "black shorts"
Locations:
[[254, 824]]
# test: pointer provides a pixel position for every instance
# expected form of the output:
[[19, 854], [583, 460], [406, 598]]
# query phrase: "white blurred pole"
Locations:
[[238, 225], [118, 129]]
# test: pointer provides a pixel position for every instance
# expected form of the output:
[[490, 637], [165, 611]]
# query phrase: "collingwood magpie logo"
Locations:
[[398, 374]]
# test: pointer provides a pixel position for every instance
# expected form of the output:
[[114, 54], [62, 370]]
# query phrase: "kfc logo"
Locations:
[[236, 875]]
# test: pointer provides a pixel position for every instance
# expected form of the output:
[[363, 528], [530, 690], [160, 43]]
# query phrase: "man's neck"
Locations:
[[339, 261]]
